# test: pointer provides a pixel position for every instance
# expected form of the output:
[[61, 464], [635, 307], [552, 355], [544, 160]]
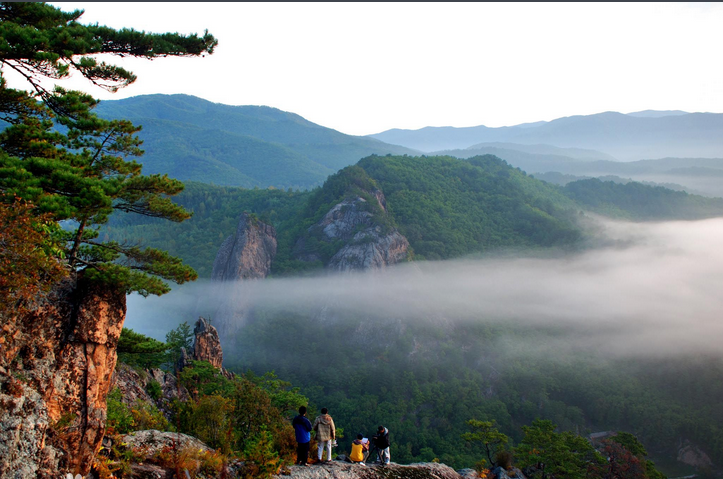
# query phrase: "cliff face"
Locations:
[[367, 245], [207, 345], [56, 366], [247, 254]]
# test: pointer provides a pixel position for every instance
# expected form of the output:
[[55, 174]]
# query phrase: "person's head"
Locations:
[[302, 410], [380, 429], [360, 436], [324, 410]]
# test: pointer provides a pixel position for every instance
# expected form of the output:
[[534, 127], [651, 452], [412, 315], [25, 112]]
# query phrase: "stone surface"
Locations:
[[345, 470], [56, 367], [367, 244], [247, 254], [207, 345], [369, 249], [691, 455], [133, 385], [147, 444]]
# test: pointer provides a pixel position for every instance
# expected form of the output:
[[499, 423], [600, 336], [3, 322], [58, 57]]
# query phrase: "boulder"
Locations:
[[149, 443]]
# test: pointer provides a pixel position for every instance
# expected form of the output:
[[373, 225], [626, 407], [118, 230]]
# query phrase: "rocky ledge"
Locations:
[[345, 470]]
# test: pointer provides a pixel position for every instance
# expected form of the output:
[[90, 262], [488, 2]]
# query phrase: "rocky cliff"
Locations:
[[56, 365], [365, 242], [248, 253], [207, 345]]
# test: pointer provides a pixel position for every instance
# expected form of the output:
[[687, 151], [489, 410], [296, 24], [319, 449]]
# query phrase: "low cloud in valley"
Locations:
[[647, 289]]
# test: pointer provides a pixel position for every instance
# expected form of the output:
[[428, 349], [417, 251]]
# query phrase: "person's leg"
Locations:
[[321, 449], [328, 450], [305, 453], [298, 452], [387, 456]]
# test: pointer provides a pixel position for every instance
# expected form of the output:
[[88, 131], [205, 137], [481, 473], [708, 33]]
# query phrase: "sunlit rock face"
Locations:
[[56, 367], [366, 244], [248, 253]]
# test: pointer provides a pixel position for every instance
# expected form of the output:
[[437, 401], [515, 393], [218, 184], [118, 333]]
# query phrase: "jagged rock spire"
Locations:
[[207, 345]]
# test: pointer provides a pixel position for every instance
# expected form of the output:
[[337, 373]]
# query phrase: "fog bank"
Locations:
[[655, 289]]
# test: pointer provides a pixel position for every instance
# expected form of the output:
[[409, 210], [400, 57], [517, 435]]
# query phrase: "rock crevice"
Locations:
[[56, 368]]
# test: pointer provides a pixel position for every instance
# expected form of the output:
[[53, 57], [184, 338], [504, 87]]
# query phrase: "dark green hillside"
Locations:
[[445, 206], [637, 201], [267, 146], [448, 207], [216, 211]]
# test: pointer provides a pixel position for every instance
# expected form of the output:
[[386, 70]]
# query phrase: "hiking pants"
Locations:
[[327, 445], [302, 453]]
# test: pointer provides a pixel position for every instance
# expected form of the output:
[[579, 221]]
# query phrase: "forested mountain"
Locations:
[[444, 206], [637, 201], [193, 139], [625, 137], [695, 175]]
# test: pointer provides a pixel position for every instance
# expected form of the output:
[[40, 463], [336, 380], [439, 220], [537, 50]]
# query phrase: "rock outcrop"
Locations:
[[692, 455], [345, 470], [56, 366], [248, 253], [207, 345], [151, 442], [367, 244], [134, 386]]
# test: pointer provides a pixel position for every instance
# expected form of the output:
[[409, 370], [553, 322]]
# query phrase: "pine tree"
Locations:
[[59, 156]]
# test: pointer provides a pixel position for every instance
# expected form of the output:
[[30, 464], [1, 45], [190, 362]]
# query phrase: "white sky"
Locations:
[[363, 68]]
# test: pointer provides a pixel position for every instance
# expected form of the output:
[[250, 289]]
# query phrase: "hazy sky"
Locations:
[[362, 68]]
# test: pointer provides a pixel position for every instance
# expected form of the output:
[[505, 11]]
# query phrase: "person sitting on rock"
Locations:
[[359, 450], [325, 433]]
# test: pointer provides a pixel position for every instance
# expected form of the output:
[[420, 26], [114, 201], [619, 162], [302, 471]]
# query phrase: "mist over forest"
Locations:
[[644, 289]]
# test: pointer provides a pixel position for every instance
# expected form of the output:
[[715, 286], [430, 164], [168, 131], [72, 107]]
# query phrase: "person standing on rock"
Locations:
[[381, 440], [325, 433], [302, 427]]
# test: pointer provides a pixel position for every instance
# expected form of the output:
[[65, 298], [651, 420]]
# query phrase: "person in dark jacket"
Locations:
[[381, 440], [302, 427]]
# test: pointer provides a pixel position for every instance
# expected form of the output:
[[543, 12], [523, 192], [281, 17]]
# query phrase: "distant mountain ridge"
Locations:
[[635, 136], [193, 139]]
